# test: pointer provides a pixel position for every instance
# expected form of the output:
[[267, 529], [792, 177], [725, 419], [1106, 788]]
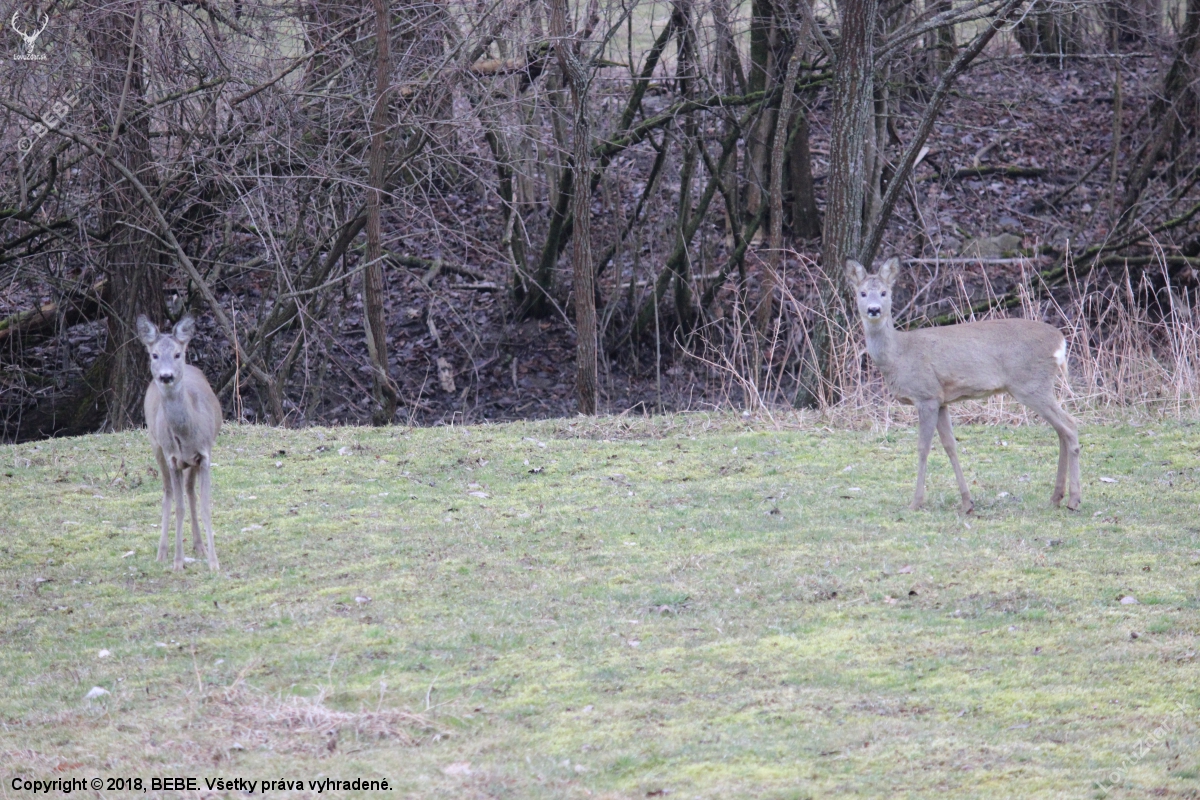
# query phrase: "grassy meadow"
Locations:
[[688, 606]]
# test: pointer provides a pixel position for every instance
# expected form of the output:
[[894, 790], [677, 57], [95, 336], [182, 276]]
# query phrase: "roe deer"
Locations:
[[182, 417], [933, 367]]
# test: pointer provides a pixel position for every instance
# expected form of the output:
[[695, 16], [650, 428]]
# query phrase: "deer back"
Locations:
[[975, 360]]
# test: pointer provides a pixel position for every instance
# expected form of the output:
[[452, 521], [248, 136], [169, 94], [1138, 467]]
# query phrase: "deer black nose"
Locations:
[[167, 378], [874, 311]]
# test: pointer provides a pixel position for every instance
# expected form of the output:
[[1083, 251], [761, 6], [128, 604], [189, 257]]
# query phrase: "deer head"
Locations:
[[167, 351], [873, 291]]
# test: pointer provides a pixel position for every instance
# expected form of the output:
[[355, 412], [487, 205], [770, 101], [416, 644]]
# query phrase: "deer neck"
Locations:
[[881, 339], [176, 409]]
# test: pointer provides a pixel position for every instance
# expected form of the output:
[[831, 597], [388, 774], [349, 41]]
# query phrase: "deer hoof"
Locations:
[[968, 508], [1074, 503]]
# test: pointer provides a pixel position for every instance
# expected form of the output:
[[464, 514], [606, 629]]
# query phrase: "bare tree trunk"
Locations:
[[583, 275], [131, 262], [1166, 112], [1133, 21], [853, 116], [733, 81], [762, 66], [374, 318], [1051, 30], [941, 41], [852, 122], [806, 220], [771, 279], [686, 75]]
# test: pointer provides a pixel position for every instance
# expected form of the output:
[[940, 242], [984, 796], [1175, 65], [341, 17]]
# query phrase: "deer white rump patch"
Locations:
[[1060, 355]]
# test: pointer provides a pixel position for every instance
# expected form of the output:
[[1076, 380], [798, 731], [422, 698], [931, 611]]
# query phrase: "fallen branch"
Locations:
[[1004, 172], [77, 308]]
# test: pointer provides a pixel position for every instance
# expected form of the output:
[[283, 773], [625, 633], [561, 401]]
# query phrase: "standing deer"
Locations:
[[934, 367], [182, 417]]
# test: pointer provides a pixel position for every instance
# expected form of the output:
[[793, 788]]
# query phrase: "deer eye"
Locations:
[[883, 294], [154, 356], [864, 294], [177, 355]]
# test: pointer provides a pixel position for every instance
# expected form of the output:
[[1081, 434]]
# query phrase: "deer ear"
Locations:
[[856, 270], [146, 330], [887, 273], [184, 330]]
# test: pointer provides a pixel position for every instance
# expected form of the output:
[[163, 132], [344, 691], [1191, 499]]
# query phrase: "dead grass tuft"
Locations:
[[306, 724]]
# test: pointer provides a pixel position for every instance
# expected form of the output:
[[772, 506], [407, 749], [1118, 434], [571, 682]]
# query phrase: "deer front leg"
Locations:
[[946, 433], [168, 501], [177, 479], [197, 542], [927, 414], [206, 512]]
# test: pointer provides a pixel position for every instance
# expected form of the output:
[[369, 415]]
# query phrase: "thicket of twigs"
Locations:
[[373, 208]]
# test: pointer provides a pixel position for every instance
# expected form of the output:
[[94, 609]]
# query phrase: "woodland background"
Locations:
[[374, 211]]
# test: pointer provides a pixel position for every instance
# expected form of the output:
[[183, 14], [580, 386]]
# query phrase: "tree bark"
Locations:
[[1166, 112], [686, 75], [1051, 30], [583, 276], [852, 121], [806, 220], [762, 66], [771, 279], [130, 260], [853, 116], [374, 318]]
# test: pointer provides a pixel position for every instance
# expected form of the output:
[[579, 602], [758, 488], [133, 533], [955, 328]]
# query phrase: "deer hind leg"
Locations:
[[1068, 449], [946, 434], [197, 542], [177, 480], [1068, 455], [168, 480], [206, 512], [927, 414]]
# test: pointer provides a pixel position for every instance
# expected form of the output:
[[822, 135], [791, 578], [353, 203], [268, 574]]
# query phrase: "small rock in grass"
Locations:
[[103, 654], [1129, 600], [95, 692]]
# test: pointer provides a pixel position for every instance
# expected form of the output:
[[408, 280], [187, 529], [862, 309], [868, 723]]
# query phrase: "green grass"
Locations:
[[691, 605]]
